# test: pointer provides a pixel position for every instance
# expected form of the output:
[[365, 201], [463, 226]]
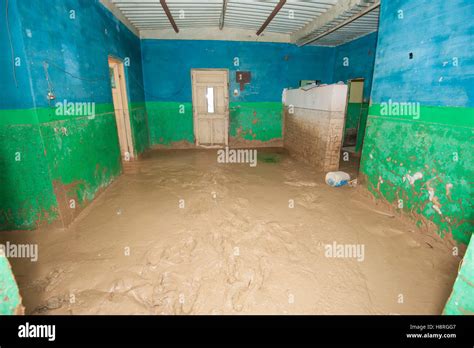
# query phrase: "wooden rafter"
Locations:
[[168, 14], [273, 14]]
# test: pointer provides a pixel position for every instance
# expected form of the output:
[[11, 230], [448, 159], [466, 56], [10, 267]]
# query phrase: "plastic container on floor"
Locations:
[[336, 179]]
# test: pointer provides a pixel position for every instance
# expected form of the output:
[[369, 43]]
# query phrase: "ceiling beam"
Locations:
[[347, 21], [273, 14], [221, 20], [168, 14], [339, 9], [344, 23]]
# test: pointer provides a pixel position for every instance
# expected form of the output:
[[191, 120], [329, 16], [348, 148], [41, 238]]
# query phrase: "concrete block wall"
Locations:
[[334, 141], [314, 125], [314, 136]]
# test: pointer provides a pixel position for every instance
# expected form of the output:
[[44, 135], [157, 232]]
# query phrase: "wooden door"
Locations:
[[120, 99], [211, 107]]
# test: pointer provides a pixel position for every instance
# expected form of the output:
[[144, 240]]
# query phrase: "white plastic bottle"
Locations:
[[336, 179]]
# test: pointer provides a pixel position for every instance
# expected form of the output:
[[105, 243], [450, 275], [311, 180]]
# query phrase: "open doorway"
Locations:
[[210, 107], [353, 112], [354, 126], [120, 99]]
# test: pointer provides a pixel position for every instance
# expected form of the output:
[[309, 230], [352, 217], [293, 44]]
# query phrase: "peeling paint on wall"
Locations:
[[424, 160], [10, 299], [461, 301], [65, 160]]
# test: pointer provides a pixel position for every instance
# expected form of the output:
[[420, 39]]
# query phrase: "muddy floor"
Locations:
[[179, 233]]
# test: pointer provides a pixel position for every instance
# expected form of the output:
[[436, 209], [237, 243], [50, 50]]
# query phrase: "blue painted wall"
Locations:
[[13, 96], [79, 46], [62, 157], [435, 142], [361, 55], [435, 32], [167, 65]]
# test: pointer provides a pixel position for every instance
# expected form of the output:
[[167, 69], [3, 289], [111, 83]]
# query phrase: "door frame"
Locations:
[[226, 101], [124, 129], [349, 82]]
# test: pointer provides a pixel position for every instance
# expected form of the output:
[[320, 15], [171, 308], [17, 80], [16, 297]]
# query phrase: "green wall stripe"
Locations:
[[45, 115], [19, 116], [395, 149], [455, 116], [256, 120], [171, 122]]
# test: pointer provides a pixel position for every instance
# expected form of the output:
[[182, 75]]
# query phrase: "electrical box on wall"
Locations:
[[242, 77]]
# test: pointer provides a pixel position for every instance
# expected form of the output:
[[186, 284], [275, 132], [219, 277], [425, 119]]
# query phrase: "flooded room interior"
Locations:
[[236, 157]]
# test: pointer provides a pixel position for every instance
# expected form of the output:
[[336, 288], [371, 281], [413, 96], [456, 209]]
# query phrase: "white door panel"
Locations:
[[210, 106]]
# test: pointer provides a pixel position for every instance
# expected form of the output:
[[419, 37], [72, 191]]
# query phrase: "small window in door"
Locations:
[[112, 78], [210, 100]]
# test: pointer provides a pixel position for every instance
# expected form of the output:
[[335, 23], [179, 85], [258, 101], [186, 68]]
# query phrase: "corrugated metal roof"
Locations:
[[293, 15], [246, 14], [368, 23], [148, 14]]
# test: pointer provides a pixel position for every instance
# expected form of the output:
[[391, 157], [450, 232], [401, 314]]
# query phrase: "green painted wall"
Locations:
[[432, 71], [461, 301], [47, 158], [27, 195], [356, 119], [139, 122], [172, 122], [62, 157], [364, 111], [260, 121], [353, 114], [439, 146], [82, 152], [10, 300], [52, 159]]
